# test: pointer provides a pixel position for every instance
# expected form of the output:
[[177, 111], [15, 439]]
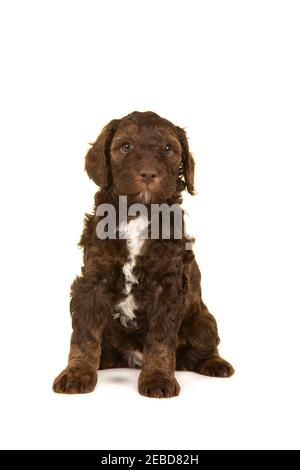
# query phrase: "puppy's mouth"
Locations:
[[146, 196], [148, 191], [143, 192]]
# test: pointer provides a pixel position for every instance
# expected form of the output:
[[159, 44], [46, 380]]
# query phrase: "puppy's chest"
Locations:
[[135, 234], [136, 245]]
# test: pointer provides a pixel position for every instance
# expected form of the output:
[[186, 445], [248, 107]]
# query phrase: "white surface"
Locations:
[[229, 72]]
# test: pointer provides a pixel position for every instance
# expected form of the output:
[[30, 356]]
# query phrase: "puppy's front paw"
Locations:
[[156, 385], [75, 380]]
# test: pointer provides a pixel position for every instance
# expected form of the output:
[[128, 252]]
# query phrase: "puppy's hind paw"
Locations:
[[215, 366]]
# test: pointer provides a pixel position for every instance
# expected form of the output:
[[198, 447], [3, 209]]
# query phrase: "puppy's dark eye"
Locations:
[[168, 149], [126, 147]]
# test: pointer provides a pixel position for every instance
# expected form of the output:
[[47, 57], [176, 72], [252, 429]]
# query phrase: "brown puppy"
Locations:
[[138, 301]]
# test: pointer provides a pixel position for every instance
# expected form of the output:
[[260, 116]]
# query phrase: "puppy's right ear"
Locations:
[[97, 160]]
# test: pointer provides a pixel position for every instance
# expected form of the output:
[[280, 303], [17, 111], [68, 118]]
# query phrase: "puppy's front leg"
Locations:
[[89, 301], [157, 378]]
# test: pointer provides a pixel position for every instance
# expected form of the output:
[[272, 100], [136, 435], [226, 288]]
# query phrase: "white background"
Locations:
[[229, 72]]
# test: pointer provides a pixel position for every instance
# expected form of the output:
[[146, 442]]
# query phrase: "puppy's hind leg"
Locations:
[[198, 345]]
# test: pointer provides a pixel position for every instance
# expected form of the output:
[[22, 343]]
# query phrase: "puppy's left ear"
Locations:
[[187, 164]]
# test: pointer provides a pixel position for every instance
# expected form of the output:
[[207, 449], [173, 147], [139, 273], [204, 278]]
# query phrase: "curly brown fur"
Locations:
[[173, 328]]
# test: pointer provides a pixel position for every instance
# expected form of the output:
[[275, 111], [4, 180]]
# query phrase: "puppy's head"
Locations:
[[143, 156]]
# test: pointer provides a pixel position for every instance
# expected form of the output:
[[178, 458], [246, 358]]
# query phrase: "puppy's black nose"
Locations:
[[148, 175]]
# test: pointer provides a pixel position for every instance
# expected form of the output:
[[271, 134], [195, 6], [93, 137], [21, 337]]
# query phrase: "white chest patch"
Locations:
[[134, 233]]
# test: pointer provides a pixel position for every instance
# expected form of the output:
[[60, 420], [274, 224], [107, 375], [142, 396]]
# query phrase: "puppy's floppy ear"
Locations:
[[97, 160], [186, 174]]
